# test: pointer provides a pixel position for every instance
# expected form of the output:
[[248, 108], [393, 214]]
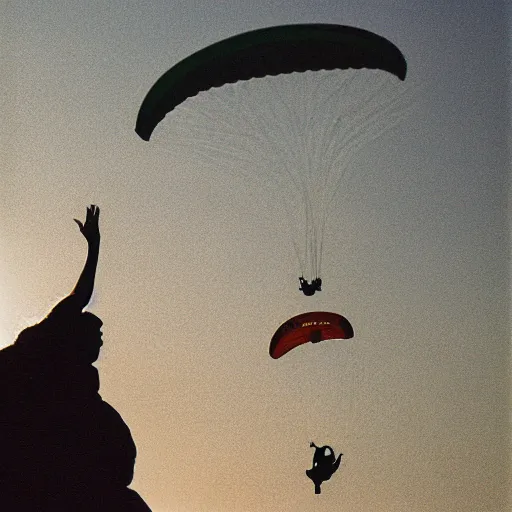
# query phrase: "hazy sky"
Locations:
[[196, 269]]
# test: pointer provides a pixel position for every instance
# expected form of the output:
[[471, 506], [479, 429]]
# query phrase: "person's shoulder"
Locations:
[[65, 308]]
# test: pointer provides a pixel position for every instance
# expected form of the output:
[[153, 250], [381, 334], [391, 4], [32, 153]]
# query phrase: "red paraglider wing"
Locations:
[[315, 326]]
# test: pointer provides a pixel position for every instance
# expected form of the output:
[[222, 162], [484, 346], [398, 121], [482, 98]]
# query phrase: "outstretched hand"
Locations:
[[90, 229]]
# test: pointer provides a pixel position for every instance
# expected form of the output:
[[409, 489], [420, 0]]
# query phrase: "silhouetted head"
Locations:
[[87, 337], [75, 338]]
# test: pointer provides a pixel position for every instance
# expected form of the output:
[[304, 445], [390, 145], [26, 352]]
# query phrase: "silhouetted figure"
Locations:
[[325, 465], [62, 448], [310, 288]]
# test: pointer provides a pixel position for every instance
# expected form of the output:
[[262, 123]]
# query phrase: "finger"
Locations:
[[80, 225], [95, 212]]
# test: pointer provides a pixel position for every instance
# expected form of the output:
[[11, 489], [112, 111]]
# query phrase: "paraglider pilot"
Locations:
[[325, 465], [310, 288]]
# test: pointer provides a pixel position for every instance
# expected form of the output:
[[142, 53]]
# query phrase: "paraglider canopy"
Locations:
[[268, 51], [315, 326], [288, 108]]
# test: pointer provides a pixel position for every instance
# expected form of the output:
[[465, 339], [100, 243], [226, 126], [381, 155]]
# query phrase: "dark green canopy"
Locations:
[[263, 52]]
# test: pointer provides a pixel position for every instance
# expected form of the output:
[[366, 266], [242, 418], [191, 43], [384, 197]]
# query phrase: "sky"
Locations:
[[197, 269]]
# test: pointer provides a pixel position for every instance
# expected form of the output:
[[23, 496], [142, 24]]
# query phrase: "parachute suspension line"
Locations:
[[212, 150], [367, 120], [354, 140], [314, 205], [272, 138], [232, 135], [328, 130], [295, 128], [315, 149], [288, 159], [289, 151], [340, 155], [310, 162], [304, 121], [327, 202], [309, 234], [199, 139], [294, 136], [314, 220], [226, 129], [391, 115], [258, 126], [235, 134], [216, 141], [292, 127], [326, 104], [315, 226], [253, 120], [298, 184], [343, 163], [321, 149], [209, 150], [315, 155], [324, 147], [285, 166], [352, 143], [356, 113]]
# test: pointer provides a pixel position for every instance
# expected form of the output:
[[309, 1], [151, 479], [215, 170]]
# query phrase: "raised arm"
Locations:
[[83, 289]]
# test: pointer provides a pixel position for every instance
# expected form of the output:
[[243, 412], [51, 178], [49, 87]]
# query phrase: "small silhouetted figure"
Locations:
[[310, 288], [63, 448], [325, 465]]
